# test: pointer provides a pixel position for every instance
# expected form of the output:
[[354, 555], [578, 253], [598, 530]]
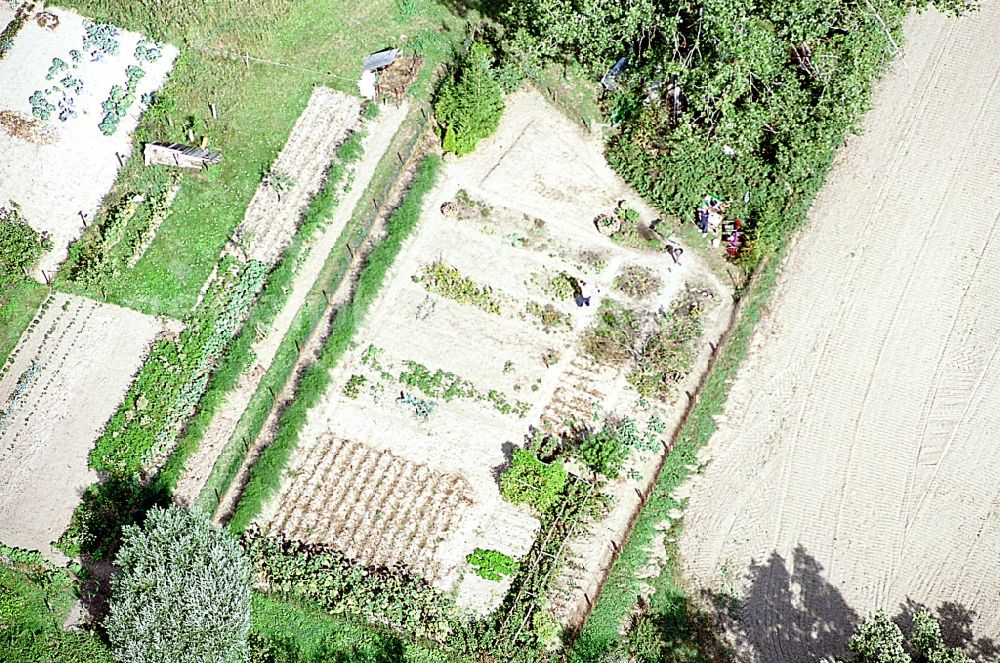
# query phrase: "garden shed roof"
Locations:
[[381, 59]]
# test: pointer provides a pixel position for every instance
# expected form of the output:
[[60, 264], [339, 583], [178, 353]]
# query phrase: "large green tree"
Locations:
[[470, 103], [183, 593]]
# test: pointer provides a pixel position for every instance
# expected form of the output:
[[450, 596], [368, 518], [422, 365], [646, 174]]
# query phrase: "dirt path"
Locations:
[[199, 466], [856, 466]]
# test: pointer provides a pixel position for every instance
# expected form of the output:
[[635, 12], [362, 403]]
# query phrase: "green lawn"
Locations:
[[18, 304], [256, 107], [34, 601]]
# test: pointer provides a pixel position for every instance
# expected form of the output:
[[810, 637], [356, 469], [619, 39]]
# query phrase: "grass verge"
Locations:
[[600, 635], [265, 477], [18, 304], [35, 598]]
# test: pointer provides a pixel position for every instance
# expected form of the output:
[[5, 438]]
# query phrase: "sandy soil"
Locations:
[[45, 179], [273, 215], [380, 133], [59, 390], [501, 248], [856, 466]]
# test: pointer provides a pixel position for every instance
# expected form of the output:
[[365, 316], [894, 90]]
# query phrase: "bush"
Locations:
[[638, 282], [20, 245], [532, 482], [470, 103], [492, 564], [183, 593]]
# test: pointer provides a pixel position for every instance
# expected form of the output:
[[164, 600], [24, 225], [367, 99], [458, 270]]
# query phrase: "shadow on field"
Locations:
[[797, 615]]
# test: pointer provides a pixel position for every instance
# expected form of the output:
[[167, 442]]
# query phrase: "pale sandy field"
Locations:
[[65, 378], [858, 462], [76, 165]]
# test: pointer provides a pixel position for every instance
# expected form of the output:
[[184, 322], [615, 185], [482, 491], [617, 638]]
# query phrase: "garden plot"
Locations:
[[70, 97], [297, 175], [59, 386], [474, 341], [856, 464]]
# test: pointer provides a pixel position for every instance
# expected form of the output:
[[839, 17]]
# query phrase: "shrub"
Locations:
[[603, 452], [20, 245], [532, 482], [492, 564], [470, 103], [183, 593], [637, 281]]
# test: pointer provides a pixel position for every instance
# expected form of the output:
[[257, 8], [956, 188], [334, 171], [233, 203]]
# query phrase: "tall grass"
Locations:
[[265, 477]]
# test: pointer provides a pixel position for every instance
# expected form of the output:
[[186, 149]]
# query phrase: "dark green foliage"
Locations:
[[175, 376], [20, 245], [325, 577], [182, 594], [603, 451], [492, 564], [532, 482], [35, 599], [879, 640], [266, 475], [470, 103]]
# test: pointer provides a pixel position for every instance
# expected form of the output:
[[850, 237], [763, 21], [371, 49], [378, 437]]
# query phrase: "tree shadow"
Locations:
[[798, 615], [466, 8]]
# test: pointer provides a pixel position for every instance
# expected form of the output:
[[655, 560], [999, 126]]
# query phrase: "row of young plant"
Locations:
[[184, 381]]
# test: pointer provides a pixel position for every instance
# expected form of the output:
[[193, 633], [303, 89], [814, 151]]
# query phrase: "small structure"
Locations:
[[180, 155], [610, 79], [373, 66]]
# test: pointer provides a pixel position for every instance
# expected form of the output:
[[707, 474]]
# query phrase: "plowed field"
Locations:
[[859, 463]]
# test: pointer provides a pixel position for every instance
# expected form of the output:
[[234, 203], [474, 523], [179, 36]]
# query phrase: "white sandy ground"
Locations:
[[379, 134], [858, 463], [538, 165], [88, 353], [54, 182]]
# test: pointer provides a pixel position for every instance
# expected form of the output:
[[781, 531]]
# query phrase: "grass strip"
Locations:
[[600, 635], [265, 477], [338, 263], [270, 302]]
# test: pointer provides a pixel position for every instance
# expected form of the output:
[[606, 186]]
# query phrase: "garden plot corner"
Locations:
[[70, 98], [59, 386]]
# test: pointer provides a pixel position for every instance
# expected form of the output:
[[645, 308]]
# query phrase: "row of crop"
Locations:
[[270, 302], [173, 379], [323, 575], [266, 474]]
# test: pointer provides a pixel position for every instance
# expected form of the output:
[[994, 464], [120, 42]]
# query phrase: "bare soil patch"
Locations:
[[856, 465], [525, 206], [273, 214], [62, 164], [62, 382]]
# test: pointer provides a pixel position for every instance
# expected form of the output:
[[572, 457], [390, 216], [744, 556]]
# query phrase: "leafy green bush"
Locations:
[[183, 593], [470, 103], [326, 577], [603, 452], [492, 564], [532, 482], [20, 245]]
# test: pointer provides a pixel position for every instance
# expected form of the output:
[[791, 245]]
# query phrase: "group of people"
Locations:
[[711, 218]]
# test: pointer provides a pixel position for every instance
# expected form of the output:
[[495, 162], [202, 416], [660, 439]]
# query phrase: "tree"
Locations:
[[183, 593], [879, 640], [470, 103]]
